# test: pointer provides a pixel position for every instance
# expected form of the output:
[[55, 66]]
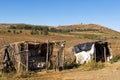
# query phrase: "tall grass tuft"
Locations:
[[70, 64], [115, 59], [92, 66], [23, 74], [5, 76]]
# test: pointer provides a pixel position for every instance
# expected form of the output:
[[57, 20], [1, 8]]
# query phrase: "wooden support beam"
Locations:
[[47, 55], [60, 59], [63, 56], [95, 55], [27, 55], [105, 54]]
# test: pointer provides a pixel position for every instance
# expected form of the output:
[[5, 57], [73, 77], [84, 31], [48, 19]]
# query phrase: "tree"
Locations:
[[20, 31], [34, 32], [53, 30], [9, 31], [14, 31], [45, 31]]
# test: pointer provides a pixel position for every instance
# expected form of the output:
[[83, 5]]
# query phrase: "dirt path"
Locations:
[[110, 72]]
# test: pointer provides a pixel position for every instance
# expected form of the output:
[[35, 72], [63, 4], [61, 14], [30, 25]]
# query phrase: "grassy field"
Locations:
[[72, 39]]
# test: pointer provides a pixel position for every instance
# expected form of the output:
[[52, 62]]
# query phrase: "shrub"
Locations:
[[4, 76], [16, 76], [14, 31], [92, 66], [115, 59], [53, 30], [118, 68], [45, 31], [23, 74], [69, 64], [20, 31], [9, 31], [89, 36], [34, 32]]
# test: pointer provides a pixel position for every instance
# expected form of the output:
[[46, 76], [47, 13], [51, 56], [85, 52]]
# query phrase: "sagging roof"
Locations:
[[86, 46], [37, 42], [82, 47]]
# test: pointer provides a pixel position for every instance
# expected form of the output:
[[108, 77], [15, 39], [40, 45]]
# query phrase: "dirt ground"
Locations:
[[110, 72]]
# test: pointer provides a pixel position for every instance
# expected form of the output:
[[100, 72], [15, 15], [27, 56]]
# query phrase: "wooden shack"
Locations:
[[33, 55], [97, 51]]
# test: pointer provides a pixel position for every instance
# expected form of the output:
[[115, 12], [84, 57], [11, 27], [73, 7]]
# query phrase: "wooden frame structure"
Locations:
[[97, 51], [32, 55]]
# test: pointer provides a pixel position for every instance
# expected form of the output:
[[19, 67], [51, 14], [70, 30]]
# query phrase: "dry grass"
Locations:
[[92, 66], [71, 40]]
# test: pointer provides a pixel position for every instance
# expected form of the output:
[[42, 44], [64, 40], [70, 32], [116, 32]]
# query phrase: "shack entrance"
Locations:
[[37, 56], [102, 51]]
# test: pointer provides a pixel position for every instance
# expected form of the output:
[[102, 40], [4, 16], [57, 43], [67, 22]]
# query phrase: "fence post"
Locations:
[[105, 54], [95, 54], [27, 58], [47, 55]]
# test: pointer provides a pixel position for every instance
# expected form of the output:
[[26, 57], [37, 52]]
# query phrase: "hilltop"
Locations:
[[91, 31], [88, 27], [75, 27]]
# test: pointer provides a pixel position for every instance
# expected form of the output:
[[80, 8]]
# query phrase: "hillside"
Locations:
[[4, 25], [73, 34], [90, 31], [76, 27], [87, 27]]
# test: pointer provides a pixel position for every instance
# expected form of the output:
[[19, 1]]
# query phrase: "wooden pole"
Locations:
[[47, 55], [60, 58], [105, 54], [27, 58], [95, 54], [63, 58]]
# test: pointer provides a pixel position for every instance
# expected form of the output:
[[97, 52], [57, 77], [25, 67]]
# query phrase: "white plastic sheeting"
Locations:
[[85, 56]]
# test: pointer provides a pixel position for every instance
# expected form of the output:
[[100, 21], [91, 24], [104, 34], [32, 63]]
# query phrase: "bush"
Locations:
[[118, 68], [2, 77], [45, 31], [69, 64], [16, 76], [92, 66], [53, 30], [23, 74], [14, 31], [20, 31], [34, 32], [5, 76], [9, 31], [115, 59]]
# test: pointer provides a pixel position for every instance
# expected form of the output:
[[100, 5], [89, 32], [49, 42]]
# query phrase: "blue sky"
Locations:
[[61, 12]]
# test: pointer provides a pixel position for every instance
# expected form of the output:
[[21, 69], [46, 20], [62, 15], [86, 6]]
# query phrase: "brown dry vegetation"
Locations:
[[110, 72]]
